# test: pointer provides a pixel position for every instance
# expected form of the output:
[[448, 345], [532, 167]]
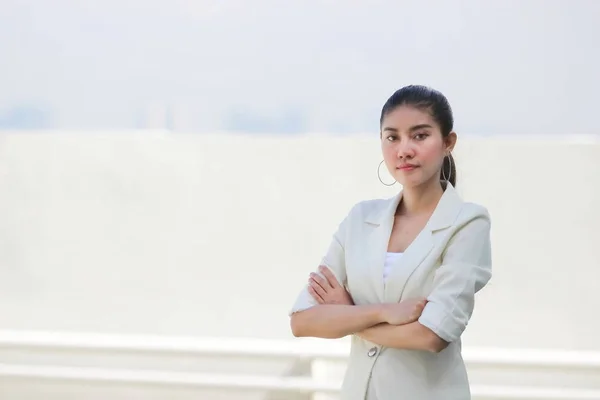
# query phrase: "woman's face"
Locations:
[[413, 146]]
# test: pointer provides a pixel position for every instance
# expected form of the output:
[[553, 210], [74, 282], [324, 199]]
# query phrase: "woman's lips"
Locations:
[[407, 167]]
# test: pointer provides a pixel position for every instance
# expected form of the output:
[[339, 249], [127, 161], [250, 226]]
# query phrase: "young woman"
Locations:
[[401, 274]]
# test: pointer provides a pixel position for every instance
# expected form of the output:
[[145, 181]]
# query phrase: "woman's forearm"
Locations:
[[332, 321], [413, 336]]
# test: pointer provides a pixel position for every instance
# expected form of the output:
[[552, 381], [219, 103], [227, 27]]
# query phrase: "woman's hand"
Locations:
[[405, 312], [328, 290]]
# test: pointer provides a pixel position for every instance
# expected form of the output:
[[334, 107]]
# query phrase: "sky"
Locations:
[[507, 66]]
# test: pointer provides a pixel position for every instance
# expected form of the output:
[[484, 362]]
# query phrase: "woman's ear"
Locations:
[[451, 141]]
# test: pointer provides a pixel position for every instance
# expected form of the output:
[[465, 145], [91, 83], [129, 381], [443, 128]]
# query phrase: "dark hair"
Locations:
[[434, 102]]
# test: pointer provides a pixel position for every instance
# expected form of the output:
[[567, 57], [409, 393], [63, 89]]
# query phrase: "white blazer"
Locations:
[[448, 262]]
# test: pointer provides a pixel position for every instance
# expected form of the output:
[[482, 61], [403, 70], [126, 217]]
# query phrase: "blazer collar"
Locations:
[[443, 216]]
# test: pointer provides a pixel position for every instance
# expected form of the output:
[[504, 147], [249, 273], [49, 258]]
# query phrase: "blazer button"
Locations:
[[372, 352]]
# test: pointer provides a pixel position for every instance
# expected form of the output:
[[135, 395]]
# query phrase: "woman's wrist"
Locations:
[[379, 313]]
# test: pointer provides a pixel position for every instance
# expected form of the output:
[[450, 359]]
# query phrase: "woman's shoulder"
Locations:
[[470, 211], [371, 204], [369, 208]]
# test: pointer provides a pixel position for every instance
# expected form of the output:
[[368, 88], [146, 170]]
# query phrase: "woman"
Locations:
[[401, 274]]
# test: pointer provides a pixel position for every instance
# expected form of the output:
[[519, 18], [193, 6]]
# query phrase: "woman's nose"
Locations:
[[405, 150]]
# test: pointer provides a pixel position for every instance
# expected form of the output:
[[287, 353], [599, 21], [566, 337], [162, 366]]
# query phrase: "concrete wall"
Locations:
[[167, 234]]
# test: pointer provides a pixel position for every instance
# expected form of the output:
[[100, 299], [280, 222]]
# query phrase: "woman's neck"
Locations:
[[420, 199]]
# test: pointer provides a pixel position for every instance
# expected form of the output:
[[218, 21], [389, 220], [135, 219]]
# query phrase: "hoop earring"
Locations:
[[447, 180], [379, 175]]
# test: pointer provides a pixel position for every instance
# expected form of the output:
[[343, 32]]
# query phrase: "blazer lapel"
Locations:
[[376, 244], [443, 216]]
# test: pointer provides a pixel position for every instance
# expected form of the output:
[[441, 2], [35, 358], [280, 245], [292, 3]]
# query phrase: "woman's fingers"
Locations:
[[331, 280], [315, 295], [326, 289], [319, 280]]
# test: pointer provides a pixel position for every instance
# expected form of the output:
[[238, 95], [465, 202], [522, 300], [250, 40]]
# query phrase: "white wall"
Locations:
[[214, 235]]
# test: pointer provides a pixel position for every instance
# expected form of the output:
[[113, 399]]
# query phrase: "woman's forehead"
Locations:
[[406, 118]]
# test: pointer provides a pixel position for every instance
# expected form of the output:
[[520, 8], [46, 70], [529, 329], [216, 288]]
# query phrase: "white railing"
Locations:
[[262, 366]]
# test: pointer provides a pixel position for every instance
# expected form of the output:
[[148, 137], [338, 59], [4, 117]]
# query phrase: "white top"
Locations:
[[391, 259]]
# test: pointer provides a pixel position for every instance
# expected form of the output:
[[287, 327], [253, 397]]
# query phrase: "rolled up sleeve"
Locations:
[[334, 259], [466, 268]]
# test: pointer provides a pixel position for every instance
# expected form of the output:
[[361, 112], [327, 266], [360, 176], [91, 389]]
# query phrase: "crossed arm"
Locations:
[[326, 310], [335, 316]]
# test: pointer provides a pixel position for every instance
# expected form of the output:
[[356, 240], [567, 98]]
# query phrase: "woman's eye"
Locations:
[[421, 136], [391, 138]]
